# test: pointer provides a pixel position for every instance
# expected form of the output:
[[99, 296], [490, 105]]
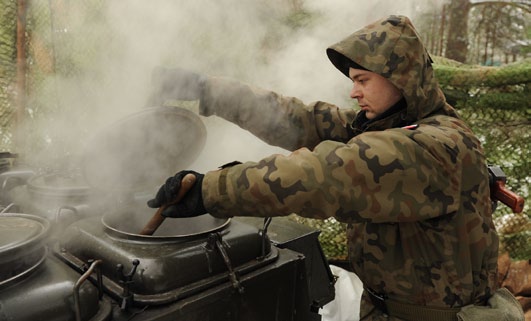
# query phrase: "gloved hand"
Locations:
[[174, 84], [190, 205]]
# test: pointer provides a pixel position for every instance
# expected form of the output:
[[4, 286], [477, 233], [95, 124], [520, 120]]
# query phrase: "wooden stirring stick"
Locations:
[[157, 219]]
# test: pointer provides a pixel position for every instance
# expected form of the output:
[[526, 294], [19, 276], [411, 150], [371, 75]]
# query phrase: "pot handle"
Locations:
[[77, 302]]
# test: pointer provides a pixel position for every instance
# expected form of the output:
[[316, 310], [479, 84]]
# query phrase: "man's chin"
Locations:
[[370, 115]]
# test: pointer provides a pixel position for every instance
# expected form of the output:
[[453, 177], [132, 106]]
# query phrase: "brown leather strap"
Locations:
[[411, 312]]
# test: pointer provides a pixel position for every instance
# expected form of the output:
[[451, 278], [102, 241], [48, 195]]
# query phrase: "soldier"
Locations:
[[405, 173]]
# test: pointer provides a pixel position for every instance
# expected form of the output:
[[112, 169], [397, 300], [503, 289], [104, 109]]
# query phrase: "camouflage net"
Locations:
[[333, 236], [514, 231], [495, 103], [515, 235], [493, 100]]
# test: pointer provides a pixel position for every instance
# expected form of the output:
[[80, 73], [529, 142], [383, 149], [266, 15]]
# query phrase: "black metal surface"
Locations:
[[271, 294], [198, 269], [239, 285], [33, 284], [169, 268], [303, 239], [46, 294]]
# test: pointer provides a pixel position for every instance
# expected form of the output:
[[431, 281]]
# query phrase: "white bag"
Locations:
[[346, 304]]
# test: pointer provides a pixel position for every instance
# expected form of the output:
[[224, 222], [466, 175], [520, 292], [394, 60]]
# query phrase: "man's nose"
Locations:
[[355, 92]]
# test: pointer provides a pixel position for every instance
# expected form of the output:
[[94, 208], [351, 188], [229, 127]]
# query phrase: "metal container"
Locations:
[[61, 198], [199, 269], [37, 286], [22, 249], [11, 177], [286, 234], [185, 256]]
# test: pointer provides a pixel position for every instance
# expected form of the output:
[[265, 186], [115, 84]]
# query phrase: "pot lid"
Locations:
[[59, 184], [142, 150], [22, 248], [18, 231]]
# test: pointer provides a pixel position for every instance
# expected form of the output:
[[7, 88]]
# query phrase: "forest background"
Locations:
[[69, 68]]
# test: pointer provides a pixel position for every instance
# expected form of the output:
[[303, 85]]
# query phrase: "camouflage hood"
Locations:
[[392, 48]]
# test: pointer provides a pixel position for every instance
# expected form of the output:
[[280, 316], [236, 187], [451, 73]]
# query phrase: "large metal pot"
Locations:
[[59, 197], [184, 256], [37, 286], [22, 246]]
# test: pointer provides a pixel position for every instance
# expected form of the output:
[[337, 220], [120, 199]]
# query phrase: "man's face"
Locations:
[[375, 94]]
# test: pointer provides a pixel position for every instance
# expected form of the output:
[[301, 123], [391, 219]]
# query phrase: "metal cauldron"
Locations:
[[184, 256], [37, 286]]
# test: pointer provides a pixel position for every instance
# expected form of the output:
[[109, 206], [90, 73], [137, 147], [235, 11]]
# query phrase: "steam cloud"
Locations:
[[245, 40]]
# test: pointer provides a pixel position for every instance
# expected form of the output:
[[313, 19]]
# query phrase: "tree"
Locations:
[[457, 40], [499, 31], [496, 22]]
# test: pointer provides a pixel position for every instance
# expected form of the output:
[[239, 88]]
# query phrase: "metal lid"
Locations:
[[19, 231], [59, 184], [143, 149], [21, 244]]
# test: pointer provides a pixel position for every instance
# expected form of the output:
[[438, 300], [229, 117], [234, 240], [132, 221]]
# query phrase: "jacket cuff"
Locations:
[[215, 196]]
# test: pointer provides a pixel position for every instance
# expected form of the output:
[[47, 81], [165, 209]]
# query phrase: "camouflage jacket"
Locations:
[[416, 199]]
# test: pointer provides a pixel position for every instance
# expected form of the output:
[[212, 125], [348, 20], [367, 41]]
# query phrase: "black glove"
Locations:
[[190, 205], [174, 84]]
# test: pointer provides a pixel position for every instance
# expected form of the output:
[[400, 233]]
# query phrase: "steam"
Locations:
[[246, 40]]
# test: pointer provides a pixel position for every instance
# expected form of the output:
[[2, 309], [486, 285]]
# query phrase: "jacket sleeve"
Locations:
[[278, 120], [396, 175]]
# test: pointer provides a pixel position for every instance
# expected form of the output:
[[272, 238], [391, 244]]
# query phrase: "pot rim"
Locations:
[[224, 222]]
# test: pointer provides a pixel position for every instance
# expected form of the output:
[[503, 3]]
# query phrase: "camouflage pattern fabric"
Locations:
[[416, 199]]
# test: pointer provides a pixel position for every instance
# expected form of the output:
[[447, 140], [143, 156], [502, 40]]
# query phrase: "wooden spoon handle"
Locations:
[[157, 219]]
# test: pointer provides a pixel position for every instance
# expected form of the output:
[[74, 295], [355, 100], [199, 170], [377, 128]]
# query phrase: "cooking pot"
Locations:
[[183, 257], [57, 196], [22, 246], [37, 286]]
